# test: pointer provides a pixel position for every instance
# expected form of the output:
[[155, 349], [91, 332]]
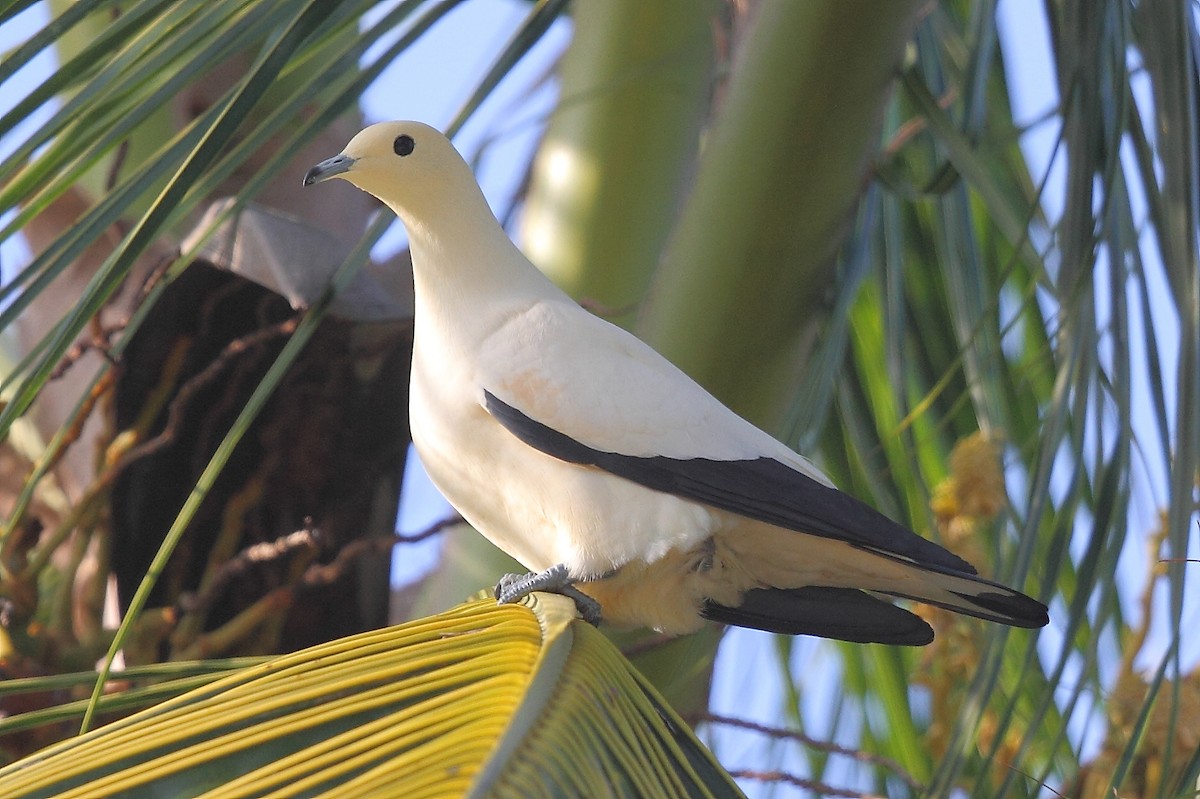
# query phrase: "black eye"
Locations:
[[404, 144]]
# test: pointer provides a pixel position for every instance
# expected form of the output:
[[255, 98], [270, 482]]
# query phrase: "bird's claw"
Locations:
[[555, 580]]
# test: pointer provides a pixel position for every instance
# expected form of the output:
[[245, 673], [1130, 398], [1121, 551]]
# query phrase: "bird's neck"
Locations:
[[466, 264]]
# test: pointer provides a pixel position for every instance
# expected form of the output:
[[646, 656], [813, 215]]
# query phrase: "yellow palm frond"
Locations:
[[482, 700]]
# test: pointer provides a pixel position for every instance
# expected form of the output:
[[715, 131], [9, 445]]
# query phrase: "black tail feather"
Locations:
[[972, 595], [846, 614], [1016, 609]]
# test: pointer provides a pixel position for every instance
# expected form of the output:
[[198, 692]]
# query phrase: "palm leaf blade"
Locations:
[[484, 699]]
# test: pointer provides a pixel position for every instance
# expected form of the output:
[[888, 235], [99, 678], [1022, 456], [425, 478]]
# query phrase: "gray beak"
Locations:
[[328, 168]]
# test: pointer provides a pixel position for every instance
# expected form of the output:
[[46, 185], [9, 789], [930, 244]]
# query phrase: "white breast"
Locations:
[[538, 509]]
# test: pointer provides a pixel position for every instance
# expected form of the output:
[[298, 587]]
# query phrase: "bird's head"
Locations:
[[410, 166]]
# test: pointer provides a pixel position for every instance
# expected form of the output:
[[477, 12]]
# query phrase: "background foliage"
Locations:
[[821, 210]]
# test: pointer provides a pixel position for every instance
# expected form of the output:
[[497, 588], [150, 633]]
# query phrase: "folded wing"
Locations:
[[618, 406]]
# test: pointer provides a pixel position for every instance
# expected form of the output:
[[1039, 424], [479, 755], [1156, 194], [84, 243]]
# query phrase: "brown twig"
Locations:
[[198, 381], [317, 574], [239, 564], [320, 574], [154, 277], [800, 782], [92, 494], [100, 336], [98, 339], [824, 746], [123, 456], [429, 532]]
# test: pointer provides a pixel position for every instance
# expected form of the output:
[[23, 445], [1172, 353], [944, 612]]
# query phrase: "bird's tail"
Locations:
[[972, 595], [771, 556]]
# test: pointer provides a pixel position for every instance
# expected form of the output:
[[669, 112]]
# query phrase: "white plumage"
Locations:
[[566, 440]]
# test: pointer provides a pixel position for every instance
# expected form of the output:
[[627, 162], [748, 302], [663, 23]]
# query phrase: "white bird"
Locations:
[[591, 459]]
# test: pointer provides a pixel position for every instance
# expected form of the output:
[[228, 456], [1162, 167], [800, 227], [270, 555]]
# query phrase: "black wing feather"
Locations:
[[763, 489]]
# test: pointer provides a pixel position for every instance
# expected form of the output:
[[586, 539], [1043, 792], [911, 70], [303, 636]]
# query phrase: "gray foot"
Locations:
[[555, 580]]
